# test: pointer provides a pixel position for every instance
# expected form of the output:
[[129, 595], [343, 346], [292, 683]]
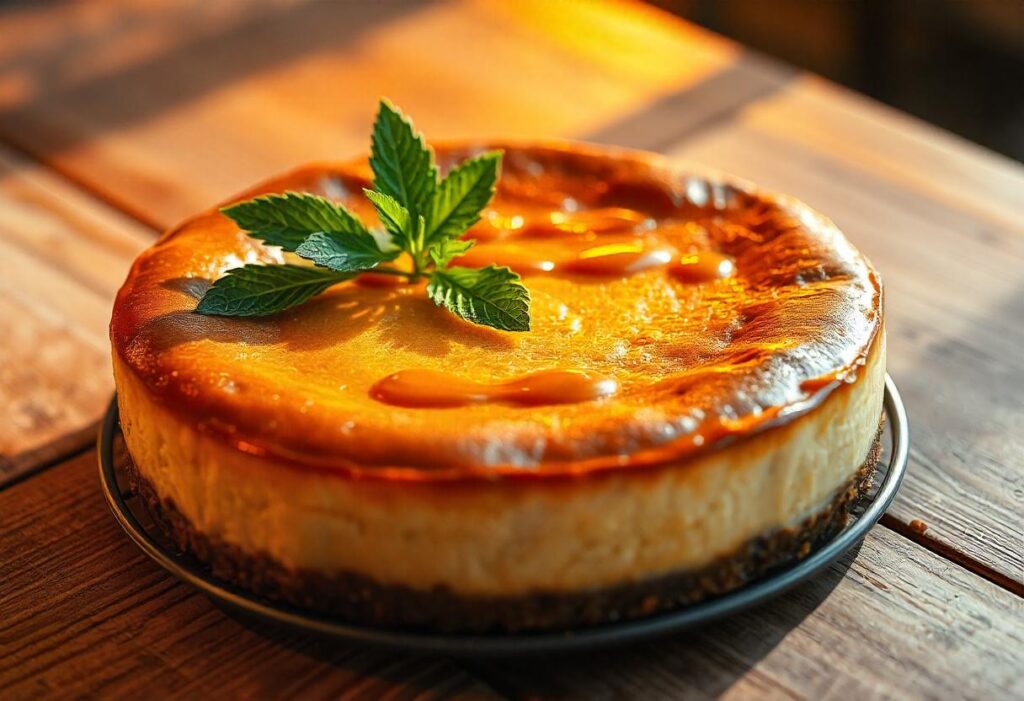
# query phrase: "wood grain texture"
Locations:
[[896, 621], [944, 223], [64, 255], [168, 123], [83, 614]]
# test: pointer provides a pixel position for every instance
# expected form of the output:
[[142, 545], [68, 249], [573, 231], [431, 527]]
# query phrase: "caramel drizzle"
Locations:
[[420, 389], [609, 260], [522, 242], [560, 224]]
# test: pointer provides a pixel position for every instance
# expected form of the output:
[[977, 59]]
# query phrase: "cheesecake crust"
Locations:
[[360, 599]]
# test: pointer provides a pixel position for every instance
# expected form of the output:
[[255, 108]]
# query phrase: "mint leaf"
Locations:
[[490, 296], [420, 237], [403, 166], [286, 220], [347, 253], [258, 290], [393, 216], [446, 249], [462, 195]]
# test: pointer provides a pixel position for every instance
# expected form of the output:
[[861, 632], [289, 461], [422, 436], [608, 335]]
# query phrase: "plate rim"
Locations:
[[518, 644]]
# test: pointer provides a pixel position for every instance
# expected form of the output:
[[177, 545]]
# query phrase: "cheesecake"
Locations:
[[697, 401]]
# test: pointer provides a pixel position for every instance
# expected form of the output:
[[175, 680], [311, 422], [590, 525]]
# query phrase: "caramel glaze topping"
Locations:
[[669, 313], [430, 388]]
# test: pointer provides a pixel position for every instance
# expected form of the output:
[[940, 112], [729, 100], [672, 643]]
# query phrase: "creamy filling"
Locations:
[[508, 537]]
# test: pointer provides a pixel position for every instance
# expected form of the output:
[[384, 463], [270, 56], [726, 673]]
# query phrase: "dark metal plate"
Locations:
[[132, 516]]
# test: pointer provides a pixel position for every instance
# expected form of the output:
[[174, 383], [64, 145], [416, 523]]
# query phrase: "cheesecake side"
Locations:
[[509, 538]]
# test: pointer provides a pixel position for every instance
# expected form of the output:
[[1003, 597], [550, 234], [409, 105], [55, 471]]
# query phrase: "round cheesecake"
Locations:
[[698, 400]]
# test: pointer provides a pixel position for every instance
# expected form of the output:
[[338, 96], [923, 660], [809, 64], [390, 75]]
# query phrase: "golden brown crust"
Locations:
[[696, 364], [359, 599]]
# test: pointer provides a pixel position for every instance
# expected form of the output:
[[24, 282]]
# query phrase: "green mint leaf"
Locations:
[[287, 219], [490, 296], [393, 216], [259, 290], [446, 249], [462, 195], [403, 166], [421, 230], [347, 253]]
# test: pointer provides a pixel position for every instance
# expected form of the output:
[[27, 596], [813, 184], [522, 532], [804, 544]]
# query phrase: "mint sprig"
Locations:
[[422, 220]]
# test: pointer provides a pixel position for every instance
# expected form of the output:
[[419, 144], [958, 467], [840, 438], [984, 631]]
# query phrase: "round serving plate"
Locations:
[[134, 518]]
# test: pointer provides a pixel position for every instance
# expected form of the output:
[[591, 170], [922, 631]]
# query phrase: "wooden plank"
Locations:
[[64, 255], [895, 622], [944, 223], [83, 613], [166, 122]]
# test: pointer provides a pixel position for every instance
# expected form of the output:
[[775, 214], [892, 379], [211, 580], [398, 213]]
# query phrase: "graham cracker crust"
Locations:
[[359, 599]]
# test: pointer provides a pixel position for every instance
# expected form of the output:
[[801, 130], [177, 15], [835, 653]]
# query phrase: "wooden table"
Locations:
[[118, 118]]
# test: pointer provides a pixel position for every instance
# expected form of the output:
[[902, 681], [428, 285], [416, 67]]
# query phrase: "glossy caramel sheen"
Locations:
[[669, 312], [430, 388]]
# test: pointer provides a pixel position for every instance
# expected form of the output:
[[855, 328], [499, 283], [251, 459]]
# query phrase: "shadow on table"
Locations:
[[705, 662]]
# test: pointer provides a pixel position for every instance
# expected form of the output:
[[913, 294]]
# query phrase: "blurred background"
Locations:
[[958, 64]]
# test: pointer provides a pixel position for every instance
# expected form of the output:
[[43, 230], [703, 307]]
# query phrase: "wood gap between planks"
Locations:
[[112, 202], [752, 71], [724, 117], [892, 523], [955, 556], [56, 460]]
